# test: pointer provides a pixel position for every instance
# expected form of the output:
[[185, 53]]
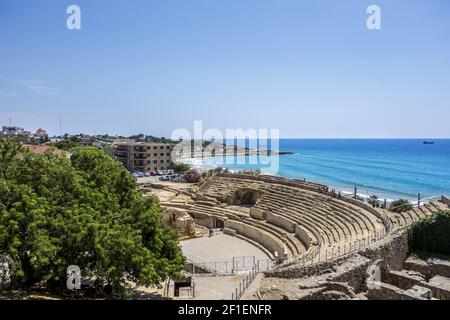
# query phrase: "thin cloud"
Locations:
[[37, 87], [8, 94], [43, 90]]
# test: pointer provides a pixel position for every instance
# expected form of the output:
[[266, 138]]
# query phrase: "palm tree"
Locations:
[[373, 201]]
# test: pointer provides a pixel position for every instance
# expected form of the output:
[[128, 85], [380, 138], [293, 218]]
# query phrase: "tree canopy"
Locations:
[[400, 205], [431, 234], [181, 168], [85, 211], [67, 144]]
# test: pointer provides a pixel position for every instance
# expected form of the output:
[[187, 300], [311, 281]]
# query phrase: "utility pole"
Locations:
[[60, 127], [418, 199], [356, 191]]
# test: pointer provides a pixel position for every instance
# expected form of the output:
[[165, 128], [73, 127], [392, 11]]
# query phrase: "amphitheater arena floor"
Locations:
[[220, 248]]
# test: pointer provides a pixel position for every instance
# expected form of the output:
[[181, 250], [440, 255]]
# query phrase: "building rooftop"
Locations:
[[41, 149]]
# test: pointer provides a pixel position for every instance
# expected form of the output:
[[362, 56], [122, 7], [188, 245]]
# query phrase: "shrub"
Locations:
[[431, 234], [400, 205], [66, 144], [180, 168], [192, 176]]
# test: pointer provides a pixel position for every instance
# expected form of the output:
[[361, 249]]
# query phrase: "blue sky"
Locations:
[[308, 68]]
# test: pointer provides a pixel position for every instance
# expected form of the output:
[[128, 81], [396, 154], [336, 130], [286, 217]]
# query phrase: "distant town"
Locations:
[[138, 153]]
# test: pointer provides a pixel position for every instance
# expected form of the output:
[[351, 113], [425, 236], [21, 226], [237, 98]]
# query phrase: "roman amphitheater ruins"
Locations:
[[313, 243]]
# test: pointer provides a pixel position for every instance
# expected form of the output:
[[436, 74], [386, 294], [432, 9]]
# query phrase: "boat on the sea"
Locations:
[[428, 142]]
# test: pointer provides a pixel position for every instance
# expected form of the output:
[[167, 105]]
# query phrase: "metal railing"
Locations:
[[319, 255], [237, 264], [245, 283]]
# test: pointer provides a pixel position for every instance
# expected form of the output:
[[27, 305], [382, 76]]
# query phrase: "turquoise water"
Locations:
[[389, 168]]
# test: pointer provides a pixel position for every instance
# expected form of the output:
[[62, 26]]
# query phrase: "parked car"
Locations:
[[138, 175]]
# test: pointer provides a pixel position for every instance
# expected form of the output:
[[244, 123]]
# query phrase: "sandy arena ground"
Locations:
[[221, 248]]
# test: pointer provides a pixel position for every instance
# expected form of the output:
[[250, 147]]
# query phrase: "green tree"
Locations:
[[56, 212], [400, 205], [373, 201], [431, 234], [66, 144], [181, 168]]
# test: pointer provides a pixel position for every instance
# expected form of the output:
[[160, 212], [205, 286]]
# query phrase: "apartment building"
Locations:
[[143, 156]]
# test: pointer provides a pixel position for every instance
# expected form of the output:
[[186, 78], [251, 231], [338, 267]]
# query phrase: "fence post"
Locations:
[[232, 270]]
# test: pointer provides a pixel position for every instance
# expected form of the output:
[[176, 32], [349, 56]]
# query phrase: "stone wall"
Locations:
[[445, 200], [202, 219], [385, 291], [393, 249], [402, 280], [352, 269], [303, 236], [375, 212], [272, 179], [281, 222], [179, 220], [258, 214], [271, 243]]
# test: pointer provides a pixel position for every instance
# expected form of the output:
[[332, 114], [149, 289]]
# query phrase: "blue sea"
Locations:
[[389, 168]]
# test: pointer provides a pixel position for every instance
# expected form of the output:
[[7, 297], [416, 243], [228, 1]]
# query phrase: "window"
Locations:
[[161, 154]]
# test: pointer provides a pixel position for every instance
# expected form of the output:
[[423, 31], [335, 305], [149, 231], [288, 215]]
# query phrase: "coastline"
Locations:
[[199, 164], [235, 153]]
